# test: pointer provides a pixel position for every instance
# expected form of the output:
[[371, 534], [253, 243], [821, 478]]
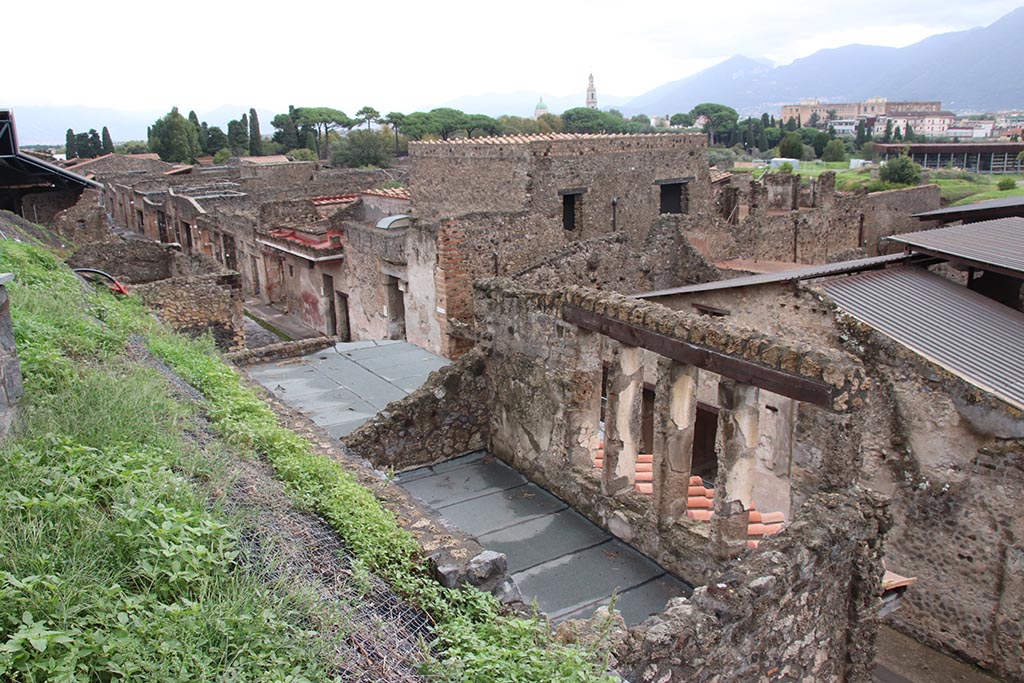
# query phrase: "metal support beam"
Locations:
[[745, 371]]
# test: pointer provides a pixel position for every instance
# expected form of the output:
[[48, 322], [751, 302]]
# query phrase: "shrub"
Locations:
[[1006, 184], [835, 150], [901, 171]]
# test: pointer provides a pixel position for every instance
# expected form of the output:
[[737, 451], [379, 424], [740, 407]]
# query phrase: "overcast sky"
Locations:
[[403, 56]]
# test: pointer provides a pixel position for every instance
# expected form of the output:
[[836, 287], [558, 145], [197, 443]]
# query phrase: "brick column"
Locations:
[[454, 287], [623, 419], [675, 412], [735, 447]]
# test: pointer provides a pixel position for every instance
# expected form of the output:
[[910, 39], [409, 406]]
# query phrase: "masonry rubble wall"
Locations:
[[10, 368], [803, 608], [951, 457], [620, 263], [545, 381], [279, 351], [199, 304], [838, 226], [42, 207], [443, 419], [139, 261], [85, 222]]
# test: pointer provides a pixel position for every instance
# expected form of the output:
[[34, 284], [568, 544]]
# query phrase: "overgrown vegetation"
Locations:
[[111, 565], [478, 642]]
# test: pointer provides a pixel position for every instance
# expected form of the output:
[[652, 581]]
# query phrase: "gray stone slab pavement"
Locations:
[[342, 387], [557, 557]]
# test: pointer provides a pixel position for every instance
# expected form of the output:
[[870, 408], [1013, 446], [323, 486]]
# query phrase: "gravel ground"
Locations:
[[257, 336]]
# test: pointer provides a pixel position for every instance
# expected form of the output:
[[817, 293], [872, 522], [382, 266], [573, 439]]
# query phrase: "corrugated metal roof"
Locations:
[[960, 330], [998, 242], [810, 272], [1001, 203]]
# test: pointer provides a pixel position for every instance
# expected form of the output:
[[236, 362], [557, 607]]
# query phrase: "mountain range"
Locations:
[[978, 70]]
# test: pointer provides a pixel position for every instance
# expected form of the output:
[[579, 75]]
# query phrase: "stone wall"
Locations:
[[10, 368], [890, 213], [545, 396], [42, 207], [199, 304], [619, 263], [951, 457], [443, 419], [279, 351], [801, 609], [85, 222], [138, 261]]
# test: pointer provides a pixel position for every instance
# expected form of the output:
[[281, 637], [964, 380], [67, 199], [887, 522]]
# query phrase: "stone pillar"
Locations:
[[623, 419], [675, 412], [10, 368], [583, 401], [736, 449], [826, 451]]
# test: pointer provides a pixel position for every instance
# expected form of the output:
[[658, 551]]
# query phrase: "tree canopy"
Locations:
[[174, 138], [902, 171], [320, 121]]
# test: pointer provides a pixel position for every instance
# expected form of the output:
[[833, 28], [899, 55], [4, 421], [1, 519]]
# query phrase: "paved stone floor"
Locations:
[[556, 556], [342, 387]]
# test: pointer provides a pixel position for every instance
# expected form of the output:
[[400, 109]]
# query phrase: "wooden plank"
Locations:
[[738, 369]]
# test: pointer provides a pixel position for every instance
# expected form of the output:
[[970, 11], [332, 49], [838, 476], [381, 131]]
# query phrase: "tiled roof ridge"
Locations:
[[393, 192], [334, 198], [536, 137]]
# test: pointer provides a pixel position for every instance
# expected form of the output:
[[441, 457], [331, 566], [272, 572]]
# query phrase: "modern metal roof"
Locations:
[[996, 245], [18, 169], [989, 205], [792, 275], [958, 329]]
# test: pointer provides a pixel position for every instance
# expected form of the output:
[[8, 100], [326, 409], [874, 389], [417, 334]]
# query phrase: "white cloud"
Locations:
[[404, 55]]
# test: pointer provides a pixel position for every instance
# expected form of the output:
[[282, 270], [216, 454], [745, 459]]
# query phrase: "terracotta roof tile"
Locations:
[[334, 199], [526, 139], [392, 192]]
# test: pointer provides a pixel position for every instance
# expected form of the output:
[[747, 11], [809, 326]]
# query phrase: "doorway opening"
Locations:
[[396, 307], [704, 462]]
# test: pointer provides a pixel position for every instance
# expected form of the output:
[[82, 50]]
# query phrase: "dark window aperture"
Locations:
[[674, 195], [569, 211], [571, 201]]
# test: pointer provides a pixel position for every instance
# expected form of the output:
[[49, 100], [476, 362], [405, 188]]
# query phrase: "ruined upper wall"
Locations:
[[508, 174]]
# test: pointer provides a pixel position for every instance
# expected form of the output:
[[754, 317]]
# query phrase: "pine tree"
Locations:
[[70, 145], [255, 138], [107, 146]]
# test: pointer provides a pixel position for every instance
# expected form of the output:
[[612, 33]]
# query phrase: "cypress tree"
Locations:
[[108, 144], [255, 138], [70, 145], [245, 131], [909, 135]]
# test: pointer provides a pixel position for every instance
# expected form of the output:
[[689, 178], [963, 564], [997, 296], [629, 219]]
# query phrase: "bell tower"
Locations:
[[591, 93]]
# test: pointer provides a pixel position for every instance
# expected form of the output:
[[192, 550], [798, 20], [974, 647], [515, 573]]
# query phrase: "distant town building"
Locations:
[[540, 109], [873, 107], [591, 93]]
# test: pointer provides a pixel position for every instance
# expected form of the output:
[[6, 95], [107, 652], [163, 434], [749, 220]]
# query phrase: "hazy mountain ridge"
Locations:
[[973, 70]]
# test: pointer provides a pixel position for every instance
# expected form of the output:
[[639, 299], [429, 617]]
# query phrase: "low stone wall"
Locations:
[[199, 304], [85, 222], [272, 352], [446, 417], [10, 368], [803, 608]]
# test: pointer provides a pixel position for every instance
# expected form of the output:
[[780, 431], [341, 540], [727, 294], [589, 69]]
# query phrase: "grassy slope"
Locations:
[[112, 567]]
